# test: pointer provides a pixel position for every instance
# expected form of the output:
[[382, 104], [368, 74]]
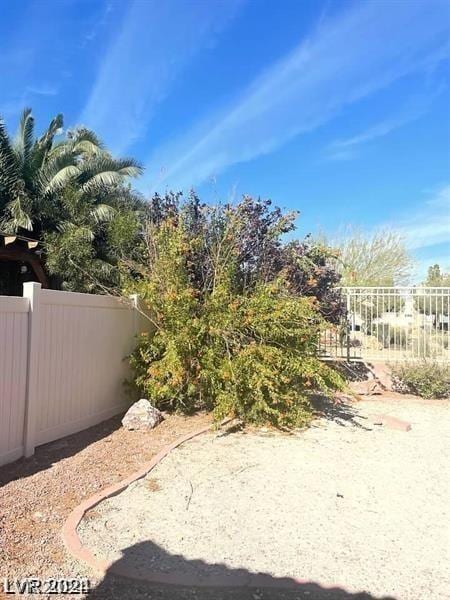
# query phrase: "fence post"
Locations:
[[135, 303], [32, 290], [348, 327]]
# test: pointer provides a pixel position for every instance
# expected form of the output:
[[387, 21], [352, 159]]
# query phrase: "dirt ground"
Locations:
[[37, 494], [348, 492]]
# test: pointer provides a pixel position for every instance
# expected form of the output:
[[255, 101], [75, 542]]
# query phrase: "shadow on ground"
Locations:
[[122, 581], [48, 454], [342, 412], [353, 370]]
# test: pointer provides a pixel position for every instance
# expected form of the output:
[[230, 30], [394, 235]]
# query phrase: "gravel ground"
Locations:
[[37, 494], [347, 503]]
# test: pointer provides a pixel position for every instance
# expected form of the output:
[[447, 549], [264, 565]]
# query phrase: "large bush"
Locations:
[[236, 312], [251, 234], [427, 378]]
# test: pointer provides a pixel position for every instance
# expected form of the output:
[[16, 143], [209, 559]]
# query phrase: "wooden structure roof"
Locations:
[[20, 249]]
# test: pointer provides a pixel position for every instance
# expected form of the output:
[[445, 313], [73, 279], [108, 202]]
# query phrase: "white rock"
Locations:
[[142, 416]]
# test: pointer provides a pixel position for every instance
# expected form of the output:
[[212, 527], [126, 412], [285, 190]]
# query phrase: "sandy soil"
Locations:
[[347, 502], [37, 494]]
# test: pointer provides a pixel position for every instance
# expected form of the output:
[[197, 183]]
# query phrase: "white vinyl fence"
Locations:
[[62, 364], [13, 375], [392, 324]]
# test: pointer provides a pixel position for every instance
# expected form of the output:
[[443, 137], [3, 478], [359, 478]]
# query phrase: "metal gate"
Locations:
[[391, 324]]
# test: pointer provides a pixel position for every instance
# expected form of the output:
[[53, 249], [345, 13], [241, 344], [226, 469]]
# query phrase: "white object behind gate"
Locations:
[[392, 324]]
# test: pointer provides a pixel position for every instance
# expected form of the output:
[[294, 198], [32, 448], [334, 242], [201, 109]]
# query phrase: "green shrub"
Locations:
[[242, 347], [428, 379]]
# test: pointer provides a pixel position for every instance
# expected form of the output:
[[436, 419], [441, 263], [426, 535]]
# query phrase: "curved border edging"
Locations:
[[69, 530], [75, 547]]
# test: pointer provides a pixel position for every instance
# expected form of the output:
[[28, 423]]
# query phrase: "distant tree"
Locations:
[[436, 278], [434, 302], [378, 259]]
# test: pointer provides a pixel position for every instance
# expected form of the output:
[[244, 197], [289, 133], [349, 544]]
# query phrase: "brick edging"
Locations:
[[75, 547], [69, 531]]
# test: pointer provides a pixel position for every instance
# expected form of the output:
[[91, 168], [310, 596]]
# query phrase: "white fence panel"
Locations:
[[63, 362], [83, 344], [13, 375]]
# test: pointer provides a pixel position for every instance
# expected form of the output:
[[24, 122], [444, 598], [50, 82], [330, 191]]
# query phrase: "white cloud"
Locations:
[[43, 89], [12, 108], [155, 43], [346, 149], [347, 58], [430, 225], [99, 21]]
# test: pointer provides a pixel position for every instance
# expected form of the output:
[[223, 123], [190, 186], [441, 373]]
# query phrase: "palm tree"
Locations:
[[35, 172], [67, 193]]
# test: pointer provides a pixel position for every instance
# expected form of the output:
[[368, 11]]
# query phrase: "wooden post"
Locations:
[[32, 291]]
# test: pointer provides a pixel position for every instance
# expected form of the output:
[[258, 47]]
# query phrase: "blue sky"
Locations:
[[339, 109]]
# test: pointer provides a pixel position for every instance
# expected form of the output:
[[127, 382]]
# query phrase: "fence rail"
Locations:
[[391, 324]]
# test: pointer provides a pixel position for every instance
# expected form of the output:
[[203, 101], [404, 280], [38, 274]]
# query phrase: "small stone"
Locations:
[[366, 388], [142, 416]]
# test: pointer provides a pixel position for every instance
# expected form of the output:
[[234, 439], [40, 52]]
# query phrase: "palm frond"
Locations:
[[80, 142], [80, 231], [102, 172], [61, 179], [86, 147], [9, 168], [102, 213], [56, 125], [9, 164], [23, 143], [58, 172], [86, 141], [18, 215], [45, 143], [101, 181]]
